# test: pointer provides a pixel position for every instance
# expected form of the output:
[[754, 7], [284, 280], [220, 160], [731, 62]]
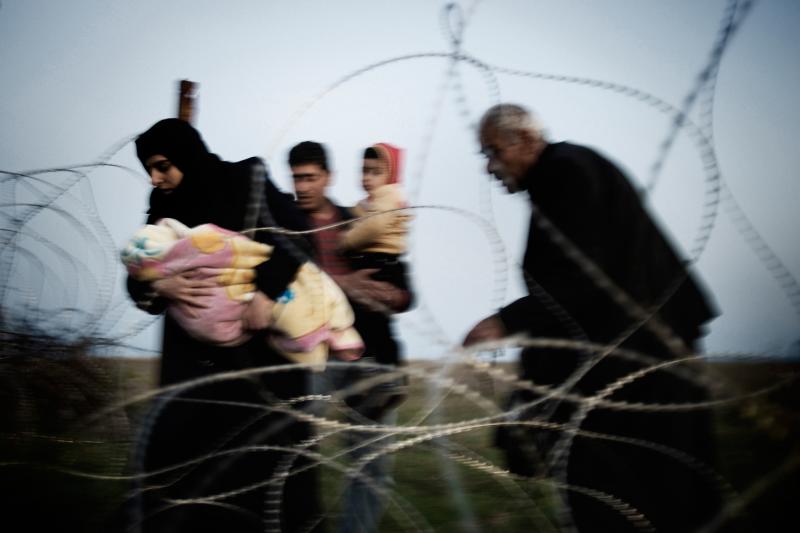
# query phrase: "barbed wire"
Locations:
[[29, 195]]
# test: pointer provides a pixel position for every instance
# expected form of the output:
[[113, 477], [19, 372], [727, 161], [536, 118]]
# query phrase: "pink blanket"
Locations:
[[310, 319]]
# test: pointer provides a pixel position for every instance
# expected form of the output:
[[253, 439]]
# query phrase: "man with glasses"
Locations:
[[601, 275]]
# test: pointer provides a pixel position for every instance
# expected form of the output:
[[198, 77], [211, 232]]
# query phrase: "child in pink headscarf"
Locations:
[[311, 318], [378, 240]]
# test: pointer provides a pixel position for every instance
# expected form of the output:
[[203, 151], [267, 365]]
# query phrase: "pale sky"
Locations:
[[79, 77]]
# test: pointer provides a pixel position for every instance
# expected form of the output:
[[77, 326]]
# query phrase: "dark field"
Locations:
[[61, 463]]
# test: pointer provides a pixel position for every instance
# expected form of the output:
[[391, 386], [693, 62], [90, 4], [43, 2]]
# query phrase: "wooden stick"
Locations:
[[186, 100]]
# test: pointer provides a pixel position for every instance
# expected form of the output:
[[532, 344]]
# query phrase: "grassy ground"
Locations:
[[445, 494], [758, 448], [759, 443], [46, 448]]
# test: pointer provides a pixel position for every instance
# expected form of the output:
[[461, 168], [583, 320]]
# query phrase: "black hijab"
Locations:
[[212, 190]]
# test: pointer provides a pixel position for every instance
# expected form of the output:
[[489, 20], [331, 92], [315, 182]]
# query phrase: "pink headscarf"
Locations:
[[393, 156]]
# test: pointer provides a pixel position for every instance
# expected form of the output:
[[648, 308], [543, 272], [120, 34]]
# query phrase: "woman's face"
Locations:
[[163, 174]]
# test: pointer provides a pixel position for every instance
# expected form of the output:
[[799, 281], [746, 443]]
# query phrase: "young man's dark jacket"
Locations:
[[375, 327]]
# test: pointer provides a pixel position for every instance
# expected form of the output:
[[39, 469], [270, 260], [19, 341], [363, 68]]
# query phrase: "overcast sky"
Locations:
[[80, 77]]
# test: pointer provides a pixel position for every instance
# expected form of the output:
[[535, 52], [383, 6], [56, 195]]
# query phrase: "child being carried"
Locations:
[[379, 240], [309, 320]]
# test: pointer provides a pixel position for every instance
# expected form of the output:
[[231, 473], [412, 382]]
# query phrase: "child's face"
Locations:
[[374, 173]]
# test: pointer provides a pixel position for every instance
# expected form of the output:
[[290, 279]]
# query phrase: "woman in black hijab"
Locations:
[[195, 187]]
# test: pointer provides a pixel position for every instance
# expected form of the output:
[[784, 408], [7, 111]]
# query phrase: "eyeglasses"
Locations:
[[493, 152], [489, 152]]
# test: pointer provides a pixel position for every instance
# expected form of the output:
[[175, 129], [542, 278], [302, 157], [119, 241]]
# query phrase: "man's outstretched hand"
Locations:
[[489, 329]]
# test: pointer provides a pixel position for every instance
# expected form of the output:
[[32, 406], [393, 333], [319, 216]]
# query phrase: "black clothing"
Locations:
[[391, 268], [227, 415], [223, 193], [592, 204], [375, 327]]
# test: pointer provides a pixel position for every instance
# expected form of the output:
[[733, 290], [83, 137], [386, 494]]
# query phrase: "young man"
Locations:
[[373, 302]]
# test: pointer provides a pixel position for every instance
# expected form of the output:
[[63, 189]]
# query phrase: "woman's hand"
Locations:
[[187, 289], [258, 314]]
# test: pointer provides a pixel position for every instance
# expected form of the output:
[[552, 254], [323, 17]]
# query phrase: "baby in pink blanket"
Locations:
[[311, 318]]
